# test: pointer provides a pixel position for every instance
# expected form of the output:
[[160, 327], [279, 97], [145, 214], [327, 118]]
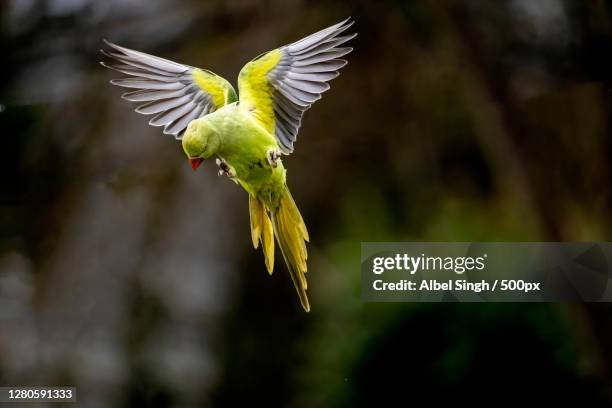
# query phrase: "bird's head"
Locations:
[[200, 142]]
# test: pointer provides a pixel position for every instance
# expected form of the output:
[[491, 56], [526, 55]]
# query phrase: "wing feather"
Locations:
[[167, 117], [313, 76], [279, 86], [328, 66], [312, 87], [144, 95], [158, 106], [146, 84], [175, 93]]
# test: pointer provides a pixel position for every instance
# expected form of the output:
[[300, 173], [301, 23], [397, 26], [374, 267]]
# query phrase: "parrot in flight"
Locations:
[[247, 134]]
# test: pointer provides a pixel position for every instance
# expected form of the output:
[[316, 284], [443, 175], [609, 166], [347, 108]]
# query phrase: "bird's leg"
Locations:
[[273, 155], [225, 169]]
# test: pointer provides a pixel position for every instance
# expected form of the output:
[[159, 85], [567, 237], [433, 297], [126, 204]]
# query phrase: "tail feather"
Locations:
[[256, 221], [268, 242], [261, 230], [291, 235], [297, 217]]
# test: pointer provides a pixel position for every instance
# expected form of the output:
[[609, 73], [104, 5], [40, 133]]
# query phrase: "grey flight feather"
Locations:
[[301, 76], [167, 88]]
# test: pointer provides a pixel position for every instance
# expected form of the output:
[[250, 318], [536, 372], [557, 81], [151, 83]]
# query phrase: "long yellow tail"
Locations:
[[291, 234]]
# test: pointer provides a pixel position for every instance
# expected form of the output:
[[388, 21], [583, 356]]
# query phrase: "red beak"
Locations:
[[195, 163]]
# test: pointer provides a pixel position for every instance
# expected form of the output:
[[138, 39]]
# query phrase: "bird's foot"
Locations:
[[273, 157], [225, 169]]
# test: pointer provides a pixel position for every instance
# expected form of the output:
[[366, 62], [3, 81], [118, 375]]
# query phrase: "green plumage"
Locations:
[[247, 135], [235, 136]]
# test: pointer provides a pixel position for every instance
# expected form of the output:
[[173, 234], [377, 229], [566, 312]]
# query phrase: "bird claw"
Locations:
[[273, 157], [225, 169]]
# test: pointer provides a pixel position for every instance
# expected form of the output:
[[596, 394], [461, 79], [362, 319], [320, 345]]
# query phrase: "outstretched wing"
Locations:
[[175, 93], [280, 85]]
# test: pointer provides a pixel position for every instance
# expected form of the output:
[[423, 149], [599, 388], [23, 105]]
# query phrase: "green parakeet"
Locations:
[[247, 135]]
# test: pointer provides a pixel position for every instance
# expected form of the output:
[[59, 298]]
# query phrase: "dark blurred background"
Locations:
[[129, 276]]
